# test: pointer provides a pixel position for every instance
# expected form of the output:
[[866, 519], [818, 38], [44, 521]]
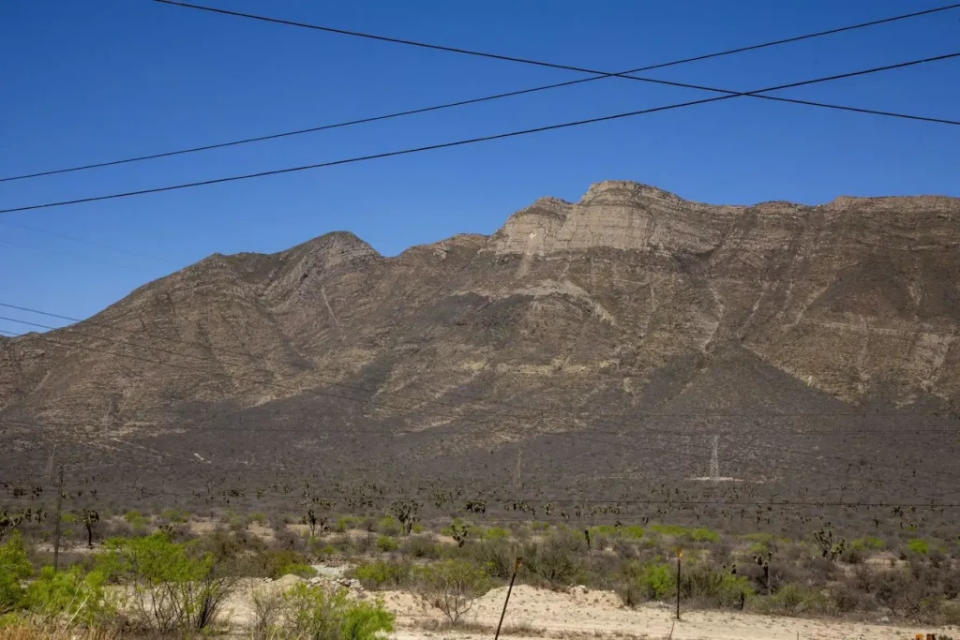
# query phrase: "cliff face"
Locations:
[[630, 301]]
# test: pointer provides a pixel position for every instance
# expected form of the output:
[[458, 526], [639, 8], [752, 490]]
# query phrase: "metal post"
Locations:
[[516, 566]]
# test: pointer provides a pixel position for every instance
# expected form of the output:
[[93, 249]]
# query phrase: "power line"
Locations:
[[460, 103], [512, 134], [541, 63], [553, 65]]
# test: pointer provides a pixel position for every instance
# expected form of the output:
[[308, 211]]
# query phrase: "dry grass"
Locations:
[[27, 631]]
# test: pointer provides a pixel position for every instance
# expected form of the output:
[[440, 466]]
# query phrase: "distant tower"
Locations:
[[715, 459]]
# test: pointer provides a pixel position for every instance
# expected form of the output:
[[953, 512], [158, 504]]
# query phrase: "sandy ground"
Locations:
[[580, 613]]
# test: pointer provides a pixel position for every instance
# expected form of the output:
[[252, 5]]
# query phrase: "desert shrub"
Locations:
[[919, 546], [275, 563], [846, 597], [643, 582], [421, 547], [694, 535], [14, 567], [497, 557], [715, 585], [176, 516], [452, 586], [317, 614], [137, 522], [389, 526], [387, 543], [344, 523], [853, 555], [382, 574], [73, 594], [29, 628], [794, 599], [557, 560], [174, 588], [951, 613], [495, 533], [267, 612], [869, 542]]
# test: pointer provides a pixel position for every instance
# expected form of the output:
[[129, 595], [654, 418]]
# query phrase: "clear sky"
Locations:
[[90, 81]]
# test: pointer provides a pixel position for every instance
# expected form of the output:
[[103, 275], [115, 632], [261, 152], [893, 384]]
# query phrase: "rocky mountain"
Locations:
[[597, 330]]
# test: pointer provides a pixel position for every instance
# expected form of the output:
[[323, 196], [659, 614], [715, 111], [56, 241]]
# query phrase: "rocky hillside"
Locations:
[[632, 311]]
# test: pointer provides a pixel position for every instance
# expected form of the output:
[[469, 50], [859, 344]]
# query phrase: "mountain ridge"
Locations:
[[631, 301]]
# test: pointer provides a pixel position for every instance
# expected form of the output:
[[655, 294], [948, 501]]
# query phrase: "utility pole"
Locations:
[[56, 524], [715, 459]]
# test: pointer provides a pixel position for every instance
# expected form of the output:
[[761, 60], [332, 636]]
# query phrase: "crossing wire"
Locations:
[[513, 134], [460, 103]]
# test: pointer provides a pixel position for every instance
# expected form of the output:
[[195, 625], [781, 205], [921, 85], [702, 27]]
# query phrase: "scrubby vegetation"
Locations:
[[170, 572]]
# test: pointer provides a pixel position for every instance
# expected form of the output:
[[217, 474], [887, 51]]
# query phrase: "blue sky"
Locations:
[[90, 81]]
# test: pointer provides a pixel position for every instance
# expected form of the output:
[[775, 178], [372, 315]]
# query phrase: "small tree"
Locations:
[[407, 512], [452, 586], [459, 531], [9, 522], [174, 588], [829, 548]]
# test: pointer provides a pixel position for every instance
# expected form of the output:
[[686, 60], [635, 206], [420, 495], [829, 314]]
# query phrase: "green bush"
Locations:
[[919, 545], [274, 563], [495, 533], [716, 585], [344, 523], [695, 535], [387, 544], [421, 547], [317, 614], [137, 521], [558, 560], [380, 574], [73, 594], [173, 585], [14, 567], [869, 542], [497, 557], [389, 526], [647, 581], [301, 570], [794, 599]]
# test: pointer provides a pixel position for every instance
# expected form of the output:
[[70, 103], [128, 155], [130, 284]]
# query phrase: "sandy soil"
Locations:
[[581, 613]]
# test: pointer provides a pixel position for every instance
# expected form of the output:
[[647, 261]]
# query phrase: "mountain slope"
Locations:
[[629, 311]]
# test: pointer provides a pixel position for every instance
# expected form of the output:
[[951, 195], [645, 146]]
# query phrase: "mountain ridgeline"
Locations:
[[589, 347]]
